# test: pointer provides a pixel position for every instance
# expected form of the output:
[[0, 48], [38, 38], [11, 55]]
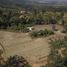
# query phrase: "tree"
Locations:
[[14, 21]]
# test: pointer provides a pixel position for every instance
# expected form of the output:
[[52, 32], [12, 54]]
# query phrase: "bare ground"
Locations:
[[34, 50], [22, 44]]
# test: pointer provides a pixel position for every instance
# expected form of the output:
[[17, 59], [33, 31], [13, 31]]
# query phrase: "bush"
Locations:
[[42, 33], [63, 31], [15, 61], [57, 44], [55, 59]]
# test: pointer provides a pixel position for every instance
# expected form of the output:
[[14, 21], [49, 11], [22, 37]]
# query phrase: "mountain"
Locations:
[[43, 1], [25, 3], [13, 2]]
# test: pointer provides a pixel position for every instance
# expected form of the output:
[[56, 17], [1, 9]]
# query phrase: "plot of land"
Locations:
[[22, 44]]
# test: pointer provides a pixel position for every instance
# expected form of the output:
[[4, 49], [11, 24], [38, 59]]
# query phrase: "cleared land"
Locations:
[[34, 50], [22, 44]]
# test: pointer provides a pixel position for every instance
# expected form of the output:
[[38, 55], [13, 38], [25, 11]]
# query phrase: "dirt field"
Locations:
[[22, 44], [34, 50]]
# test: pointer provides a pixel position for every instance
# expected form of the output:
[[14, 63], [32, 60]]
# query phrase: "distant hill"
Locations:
[[26, 3], [12, 3]]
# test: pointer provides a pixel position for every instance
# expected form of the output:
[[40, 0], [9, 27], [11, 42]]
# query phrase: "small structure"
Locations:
[[27, 29], [30, 28]]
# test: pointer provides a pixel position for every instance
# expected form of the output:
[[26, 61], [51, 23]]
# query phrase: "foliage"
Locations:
[[15, 61], [54, 58], [15, 20], [57, 44], [41, 33]]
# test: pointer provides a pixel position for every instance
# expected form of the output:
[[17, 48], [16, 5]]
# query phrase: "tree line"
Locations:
[[20, 19]]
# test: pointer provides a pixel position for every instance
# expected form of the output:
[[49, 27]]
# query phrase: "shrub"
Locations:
[[42, 33], [15, 61], [63, 31], [56, 44], [34, 34], [55, 59]]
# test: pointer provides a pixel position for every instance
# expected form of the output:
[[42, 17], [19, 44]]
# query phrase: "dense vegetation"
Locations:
[[21, 19]]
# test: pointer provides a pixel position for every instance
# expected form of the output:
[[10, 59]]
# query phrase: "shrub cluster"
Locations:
[[42, 33], [57, 44], [55, 59], [15, 61]]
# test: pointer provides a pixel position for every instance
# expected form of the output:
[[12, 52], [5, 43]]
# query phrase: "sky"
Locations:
[[50, 0]]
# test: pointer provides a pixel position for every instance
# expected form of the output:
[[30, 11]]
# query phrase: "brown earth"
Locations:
[[34, 50]]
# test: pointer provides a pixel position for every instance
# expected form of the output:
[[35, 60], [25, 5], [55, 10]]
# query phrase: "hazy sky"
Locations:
[[50, 0]]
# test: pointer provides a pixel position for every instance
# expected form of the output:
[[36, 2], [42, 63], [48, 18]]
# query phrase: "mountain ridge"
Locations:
[[32, 2]]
